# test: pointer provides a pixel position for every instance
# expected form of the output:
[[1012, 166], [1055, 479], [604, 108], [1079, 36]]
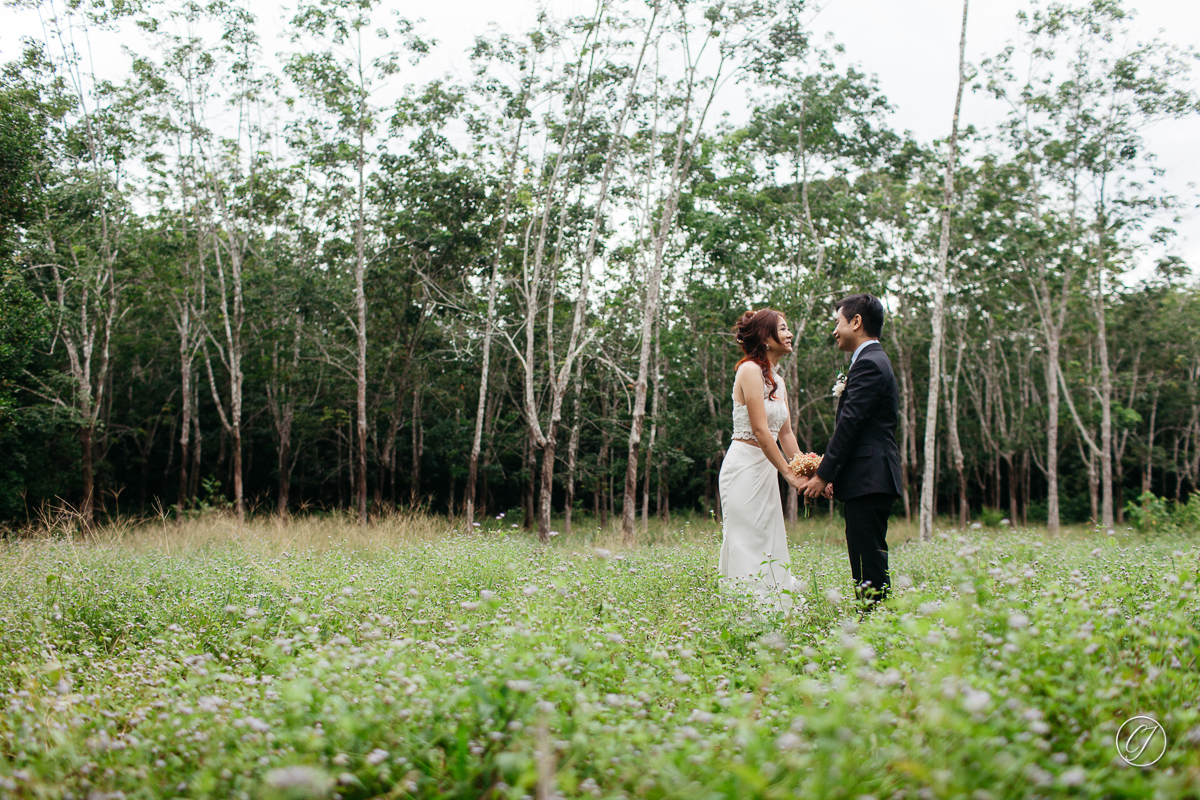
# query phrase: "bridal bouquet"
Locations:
[[805, 464]]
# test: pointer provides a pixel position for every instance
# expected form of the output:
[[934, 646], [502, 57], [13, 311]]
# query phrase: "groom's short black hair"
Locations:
[[868, 307]]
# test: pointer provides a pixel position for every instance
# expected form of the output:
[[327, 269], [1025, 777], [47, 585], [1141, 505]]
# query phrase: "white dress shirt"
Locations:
[[859, 349]]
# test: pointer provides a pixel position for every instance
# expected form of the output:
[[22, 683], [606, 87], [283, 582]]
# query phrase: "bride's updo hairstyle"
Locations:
[[753, 331]]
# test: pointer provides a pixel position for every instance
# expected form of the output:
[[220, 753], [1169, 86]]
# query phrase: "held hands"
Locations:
[[798, 482], [818, 487]]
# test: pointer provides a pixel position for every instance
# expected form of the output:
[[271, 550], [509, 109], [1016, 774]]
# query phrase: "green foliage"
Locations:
[[991, 517], [1151, 514], [480, 664], [1187, 515]]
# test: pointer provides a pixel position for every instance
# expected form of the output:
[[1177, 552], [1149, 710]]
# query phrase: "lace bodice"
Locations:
[[777, 413]]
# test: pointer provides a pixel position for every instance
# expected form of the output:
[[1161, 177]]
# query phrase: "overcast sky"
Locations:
[[912, 46]]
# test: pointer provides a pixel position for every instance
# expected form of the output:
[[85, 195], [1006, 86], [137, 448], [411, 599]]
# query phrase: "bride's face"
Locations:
[[783, 335]]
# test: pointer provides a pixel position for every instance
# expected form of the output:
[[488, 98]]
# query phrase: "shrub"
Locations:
[[991, 516], [1150, 514], [1187, 515]]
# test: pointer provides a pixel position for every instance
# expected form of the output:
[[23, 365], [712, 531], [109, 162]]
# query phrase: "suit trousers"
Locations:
[[866, 540]]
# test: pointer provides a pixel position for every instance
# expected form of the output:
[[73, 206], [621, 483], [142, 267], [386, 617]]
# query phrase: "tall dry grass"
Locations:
[[323, 531]]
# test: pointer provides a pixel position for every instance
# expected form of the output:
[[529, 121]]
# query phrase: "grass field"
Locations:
[[319, 659]]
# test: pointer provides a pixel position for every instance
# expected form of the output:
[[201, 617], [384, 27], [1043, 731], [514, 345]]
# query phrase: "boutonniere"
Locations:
[[839, 385]]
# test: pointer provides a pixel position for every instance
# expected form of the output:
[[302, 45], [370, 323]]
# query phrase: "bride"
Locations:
[[754, 549]]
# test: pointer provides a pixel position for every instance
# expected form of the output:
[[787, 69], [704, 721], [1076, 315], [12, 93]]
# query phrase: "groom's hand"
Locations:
[[815, 488]]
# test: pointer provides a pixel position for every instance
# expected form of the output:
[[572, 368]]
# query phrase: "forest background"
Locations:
[[326, 286]]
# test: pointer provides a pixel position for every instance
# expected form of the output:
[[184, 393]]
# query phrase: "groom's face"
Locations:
[[845, 333]]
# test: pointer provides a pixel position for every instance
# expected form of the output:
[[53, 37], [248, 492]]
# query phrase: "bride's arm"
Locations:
[[787, 438], [749, 379]]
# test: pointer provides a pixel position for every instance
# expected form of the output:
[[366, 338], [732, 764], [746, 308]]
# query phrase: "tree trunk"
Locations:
[[414, 484], [925, 520], [185, 437], [1052, 368], [285, 478], [951, 403], [86, 453], [530, 496], [1148, 473], [573, 449], [489, 327], [905, 467], [602, 468], [1106, 390]]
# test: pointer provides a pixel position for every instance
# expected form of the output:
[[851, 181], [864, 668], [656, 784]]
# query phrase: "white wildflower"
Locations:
[[210, 703], [257, 725], [975, 701], [376, 757], [1018, 621], [789, 741], [1075, 776], [300, 781]]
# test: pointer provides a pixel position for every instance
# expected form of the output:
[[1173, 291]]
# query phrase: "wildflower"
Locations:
[[602, 553], [789, 741], [486, 594], [257, 725], [520, 686], [347, 592], [476, 524], [554, 533], [1018, 621], [376, 757], [210, 703], [299, 780], [529, 591], [469, 605], [1075, 776], [975, 700], [682, 678]]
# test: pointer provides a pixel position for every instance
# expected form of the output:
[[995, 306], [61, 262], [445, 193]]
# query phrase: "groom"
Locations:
[[862, 455]]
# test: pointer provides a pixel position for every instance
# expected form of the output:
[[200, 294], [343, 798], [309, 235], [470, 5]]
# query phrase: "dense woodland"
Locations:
[[321, 285]]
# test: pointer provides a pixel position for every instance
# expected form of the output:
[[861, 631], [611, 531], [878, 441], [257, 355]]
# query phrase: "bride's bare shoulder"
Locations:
[[749, 371]]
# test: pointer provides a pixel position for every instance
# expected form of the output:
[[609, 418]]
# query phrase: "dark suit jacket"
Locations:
[[862, 457]]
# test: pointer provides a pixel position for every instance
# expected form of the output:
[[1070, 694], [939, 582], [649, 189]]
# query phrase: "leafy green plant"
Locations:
[[991, 517], [1187, 515], [1150, 514]]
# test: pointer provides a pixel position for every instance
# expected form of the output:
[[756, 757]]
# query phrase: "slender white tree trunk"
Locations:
[[939, 301]]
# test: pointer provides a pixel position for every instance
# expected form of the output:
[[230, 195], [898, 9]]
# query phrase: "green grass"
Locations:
[[321, 659]]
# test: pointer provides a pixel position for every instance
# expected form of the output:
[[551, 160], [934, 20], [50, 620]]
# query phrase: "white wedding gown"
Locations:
[[754, 551]]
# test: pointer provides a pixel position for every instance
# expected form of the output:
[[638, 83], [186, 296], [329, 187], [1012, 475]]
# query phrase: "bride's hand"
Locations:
[[798, 483]]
